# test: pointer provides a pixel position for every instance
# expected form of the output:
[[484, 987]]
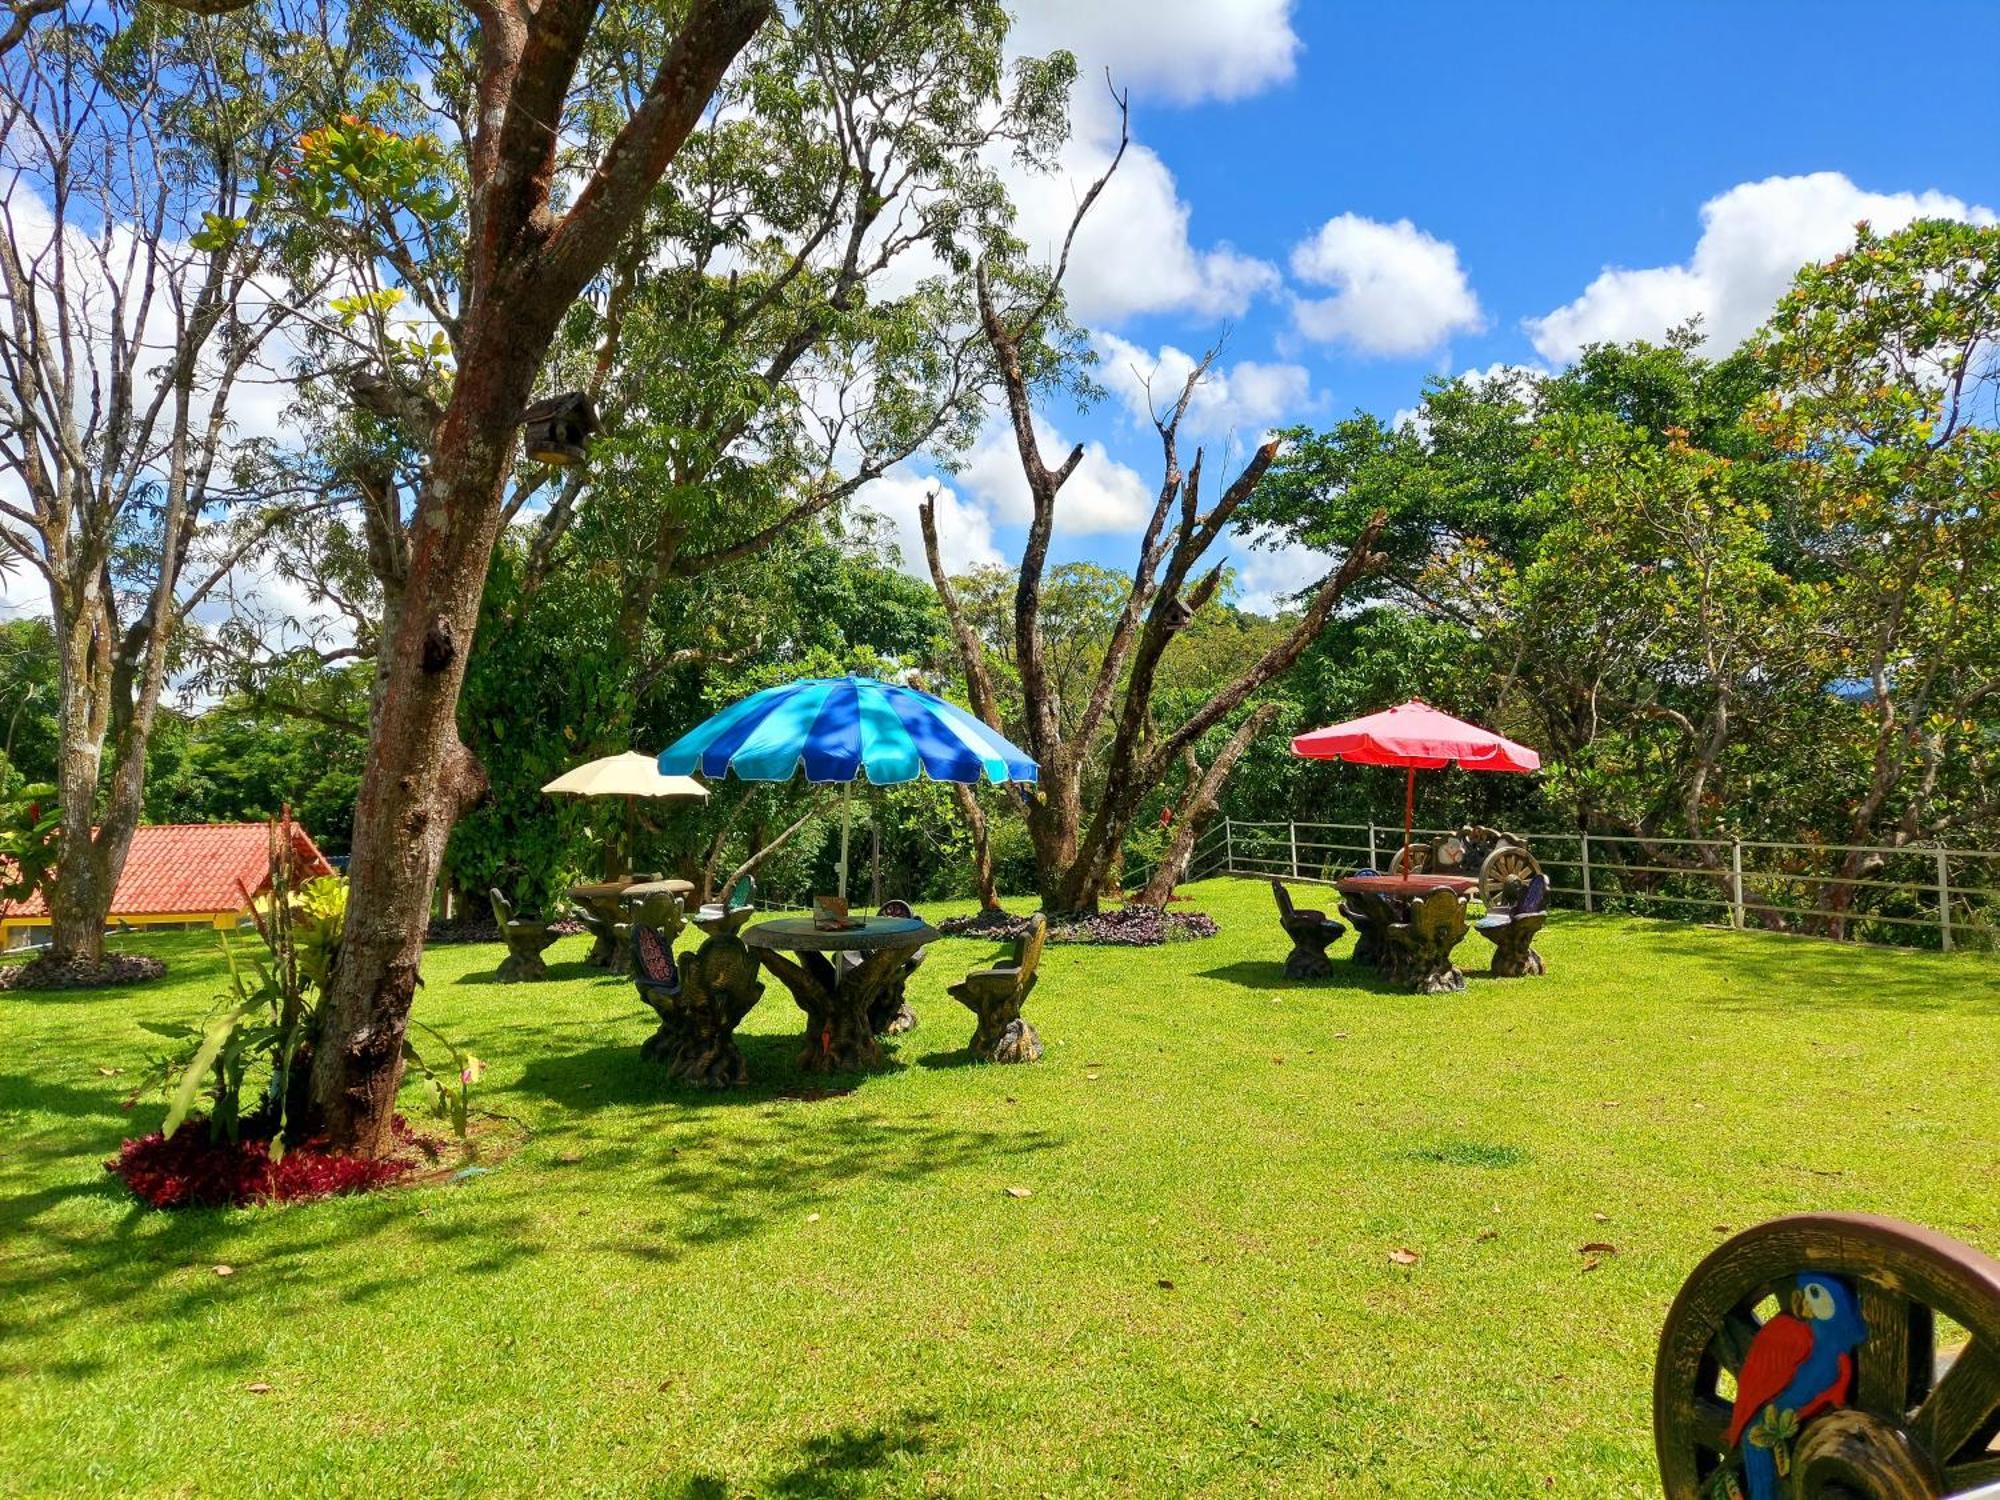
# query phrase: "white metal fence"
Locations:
[[1909, 896]]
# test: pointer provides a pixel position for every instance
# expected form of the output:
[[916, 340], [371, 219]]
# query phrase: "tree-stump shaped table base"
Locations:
[[1423, 973], [840, 1004], [893, 1018], [697, 1036], [1371, 916], [1417, 953], [847, 1004]]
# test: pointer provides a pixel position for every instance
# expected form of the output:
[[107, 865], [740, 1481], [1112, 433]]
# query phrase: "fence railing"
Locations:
[[1907, 896]]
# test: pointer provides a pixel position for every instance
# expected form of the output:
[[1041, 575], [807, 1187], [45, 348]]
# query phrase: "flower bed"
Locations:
[[1127, 927], [188, 1170]]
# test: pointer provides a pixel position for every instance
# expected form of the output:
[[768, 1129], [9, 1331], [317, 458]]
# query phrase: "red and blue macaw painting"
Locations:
[[1800, 1364]]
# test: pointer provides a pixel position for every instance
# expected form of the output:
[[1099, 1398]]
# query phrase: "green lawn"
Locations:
[[671, 1294]]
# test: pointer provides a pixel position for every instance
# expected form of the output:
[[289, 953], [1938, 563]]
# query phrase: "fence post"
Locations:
[[1295, 849], [1736, 883], [1374, 860], [1229, 845], [1944, 900], [1589, 905]]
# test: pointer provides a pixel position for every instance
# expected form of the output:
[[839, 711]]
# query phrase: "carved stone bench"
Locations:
[[526, 942], [1310, 931], [996, 996], [1512, 931], [700, 998]]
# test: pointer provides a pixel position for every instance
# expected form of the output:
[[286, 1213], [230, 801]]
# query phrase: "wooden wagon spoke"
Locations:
[[1710, 1423], [1883, 1379], [1958, 1478], [1732, 1339], [1963, 1404]]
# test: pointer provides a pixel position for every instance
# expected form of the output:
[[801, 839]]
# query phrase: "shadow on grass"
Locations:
[[960, 1057], [832, 1466], [31, 1095], [157, 1268], [1772, 972], [568, 972], [1269, 974], [615, 1075], [81, 1244]]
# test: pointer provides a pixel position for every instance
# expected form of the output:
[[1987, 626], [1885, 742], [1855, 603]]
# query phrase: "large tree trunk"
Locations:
[[78, 892], [420, 778], [524, 269]]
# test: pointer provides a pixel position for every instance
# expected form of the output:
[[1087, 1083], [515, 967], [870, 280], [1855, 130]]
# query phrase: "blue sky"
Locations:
[[1359, 195], [1370, 193]]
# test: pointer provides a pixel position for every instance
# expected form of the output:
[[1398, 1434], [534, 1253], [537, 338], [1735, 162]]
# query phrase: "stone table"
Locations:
[[837, 999], [1376, 904]]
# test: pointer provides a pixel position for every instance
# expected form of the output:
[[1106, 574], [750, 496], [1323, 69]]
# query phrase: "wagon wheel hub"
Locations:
[[1856, 1455]]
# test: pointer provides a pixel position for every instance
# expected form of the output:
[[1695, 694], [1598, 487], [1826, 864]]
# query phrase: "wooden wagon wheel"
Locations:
[[1921, 1413], [1509, 865], [1411, 859]]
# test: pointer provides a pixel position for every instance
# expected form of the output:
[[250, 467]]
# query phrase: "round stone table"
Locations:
[[837, 999]]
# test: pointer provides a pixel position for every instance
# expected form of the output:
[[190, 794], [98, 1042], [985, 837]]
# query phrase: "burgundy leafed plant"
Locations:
[[188, 1170]]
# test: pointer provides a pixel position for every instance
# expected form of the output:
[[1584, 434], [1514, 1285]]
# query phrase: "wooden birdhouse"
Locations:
[[557, 430]]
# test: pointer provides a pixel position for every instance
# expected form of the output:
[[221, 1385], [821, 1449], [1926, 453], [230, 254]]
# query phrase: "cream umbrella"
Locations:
[[630, 776]]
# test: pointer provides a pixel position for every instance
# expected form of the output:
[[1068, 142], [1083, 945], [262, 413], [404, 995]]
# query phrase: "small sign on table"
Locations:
[[830, 914]]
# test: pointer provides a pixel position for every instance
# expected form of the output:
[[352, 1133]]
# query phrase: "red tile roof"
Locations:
[[197, 868]]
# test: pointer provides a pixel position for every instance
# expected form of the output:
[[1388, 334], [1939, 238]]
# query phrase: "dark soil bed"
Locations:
[[117, 969], [1127, 927], [483, 929]]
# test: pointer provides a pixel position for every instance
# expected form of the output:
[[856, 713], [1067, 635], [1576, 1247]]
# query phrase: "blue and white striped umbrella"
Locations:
[[844, 729]]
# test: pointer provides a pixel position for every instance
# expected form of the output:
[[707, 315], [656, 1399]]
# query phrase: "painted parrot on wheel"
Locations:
[[1800, 1364]]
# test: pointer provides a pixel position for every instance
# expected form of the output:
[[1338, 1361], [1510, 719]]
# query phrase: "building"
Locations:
[[180, 875]]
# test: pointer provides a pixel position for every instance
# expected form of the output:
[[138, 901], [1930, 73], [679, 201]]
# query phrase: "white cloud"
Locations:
[[1753, 240], [1267, 576], [965, 534], [23, 593], [1397, 290], [1246, 399], [1133, 254], [1181, 50], [1103, 495]]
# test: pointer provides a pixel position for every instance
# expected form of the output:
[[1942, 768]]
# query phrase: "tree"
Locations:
[[1077, 847], [1887, 363], [131, 148], [530, 250]]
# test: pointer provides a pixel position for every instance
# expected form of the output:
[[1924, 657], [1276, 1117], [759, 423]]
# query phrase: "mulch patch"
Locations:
[[1127, 927], [77, 974]]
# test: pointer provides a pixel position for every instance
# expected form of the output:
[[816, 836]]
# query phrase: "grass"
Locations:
[[669, 1294]]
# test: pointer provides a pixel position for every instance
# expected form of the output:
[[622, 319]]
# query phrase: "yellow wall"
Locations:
[[221, 921]]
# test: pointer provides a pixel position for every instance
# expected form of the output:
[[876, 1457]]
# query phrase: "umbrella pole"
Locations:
[[846, 817], [1409, 808]]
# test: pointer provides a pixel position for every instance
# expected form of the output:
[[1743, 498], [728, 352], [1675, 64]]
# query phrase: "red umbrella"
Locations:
[[1415, 735]]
